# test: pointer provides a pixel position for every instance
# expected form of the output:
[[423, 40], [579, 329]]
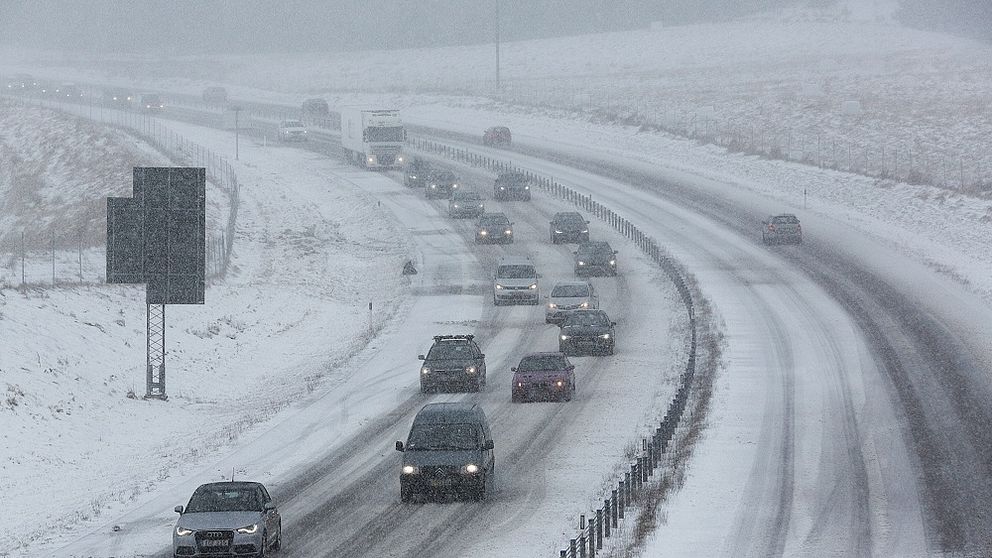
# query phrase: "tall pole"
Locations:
[[497, 46], [237, 129]]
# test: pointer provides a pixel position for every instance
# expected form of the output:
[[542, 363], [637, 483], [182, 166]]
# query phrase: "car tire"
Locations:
[[764, 240], [406, 494], [497, 302], [515, 397], [277, 544], [479, 494], [568, 394], [264, 545]]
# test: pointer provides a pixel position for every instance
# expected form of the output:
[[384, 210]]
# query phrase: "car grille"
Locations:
[[214, 542], [386, 159]]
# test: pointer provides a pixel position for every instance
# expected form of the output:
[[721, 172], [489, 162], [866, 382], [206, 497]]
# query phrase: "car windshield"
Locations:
[[444, 436], [444, 177], [445, 351], [586, 319], [541, 362], [570, 219], [594, 250], [217, 498], [570, 290], [385, 133], [511, 179], [515, 272], [292, 124], [466, 196], [785, 220], [494, 221]]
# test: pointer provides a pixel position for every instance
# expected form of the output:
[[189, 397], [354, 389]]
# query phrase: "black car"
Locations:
[[466, 203], [595, 258], [569, 226], [441, 184], [152, 102], [493, 228], [454, 360], [417, 172], [315, 108], [118, 97], [449, 449], [511, 186], [587, 332]]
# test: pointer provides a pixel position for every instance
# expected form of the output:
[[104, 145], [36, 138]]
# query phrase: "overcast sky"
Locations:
[[176, 27]]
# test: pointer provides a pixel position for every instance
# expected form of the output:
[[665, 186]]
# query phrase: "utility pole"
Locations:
[[497, 46], [237, 129]]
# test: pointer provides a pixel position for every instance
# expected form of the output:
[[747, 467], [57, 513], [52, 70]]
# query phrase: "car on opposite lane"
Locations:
[[782, 228], [497, 136], [214, 95], [466, 203], [493, 228], [227, 519], [543, 376], [595, 258], [566, 296], [587, 332], [569, 226], [453, 360]]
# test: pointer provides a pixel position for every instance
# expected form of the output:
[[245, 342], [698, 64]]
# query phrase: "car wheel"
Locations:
[[497, 302], [764, 239], [611, 350], [406, 494], [515, 397], [480, 491], [264, 545], [567, 396], [477, 386], [277, 544]]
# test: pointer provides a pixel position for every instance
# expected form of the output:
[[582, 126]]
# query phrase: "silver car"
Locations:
[[567, 296], [782, 228], [227, 519]]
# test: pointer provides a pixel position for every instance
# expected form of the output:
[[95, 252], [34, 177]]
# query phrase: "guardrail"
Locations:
[[603, 521]]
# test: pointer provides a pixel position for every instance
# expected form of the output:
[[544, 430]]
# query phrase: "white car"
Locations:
[[567, 296], [515, 282], [292, 130]]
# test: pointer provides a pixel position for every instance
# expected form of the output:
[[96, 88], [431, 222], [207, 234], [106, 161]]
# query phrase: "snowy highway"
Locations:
[[849, 417]]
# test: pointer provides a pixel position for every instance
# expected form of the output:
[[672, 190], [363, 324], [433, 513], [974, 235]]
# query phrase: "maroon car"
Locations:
[[546, 376]]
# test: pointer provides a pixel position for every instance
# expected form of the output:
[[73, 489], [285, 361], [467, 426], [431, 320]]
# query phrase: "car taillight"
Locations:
[[771, 227]]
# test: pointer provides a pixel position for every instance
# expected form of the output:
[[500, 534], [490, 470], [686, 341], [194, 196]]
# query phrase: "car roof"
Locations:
[[586, 311], [515, 260], [496, 215], [568, 214], [594, 245], [572, 284], [449, 412], [543, 354], [230, 484]]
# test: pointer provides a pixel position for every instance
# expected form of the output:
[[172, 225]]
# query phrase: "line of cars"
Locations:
[[450, 446]]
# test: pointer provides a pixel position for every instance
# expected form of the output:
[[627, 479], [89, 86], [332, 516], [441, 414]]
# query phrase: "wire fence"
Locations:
[[67, 258], [602, 522]]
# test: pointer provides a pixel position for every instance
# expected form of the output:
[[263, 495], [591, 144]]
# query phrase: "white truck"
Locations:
[[373, 138]]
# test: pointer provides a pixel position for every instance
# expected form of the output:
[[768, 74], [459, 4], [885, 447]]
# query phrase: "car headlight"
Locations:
[[454, 185], [184, 532], [248, 529], [371, 160], [533, 286], [613, 262], [559, 383], [582, 262], [557, 231], [483, 233], [433, 186], [508, 231], [470, 370], [604, 336], [400, 158], [564, 337], [584, 305], [413, 177], [471, 468], [455, 205], [526, 187], [425, 370], [410, 470], [552, 305], [502, 188], [584, 231], [480, 205], [498, 286]]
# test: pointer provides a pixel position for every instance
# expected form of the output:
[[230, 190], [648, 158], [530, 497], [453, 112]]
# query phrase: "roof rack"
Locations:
[[440, 337]]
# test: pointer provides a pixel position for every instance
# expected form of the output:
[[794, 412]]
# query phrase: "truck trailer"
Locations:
[[373, 138]]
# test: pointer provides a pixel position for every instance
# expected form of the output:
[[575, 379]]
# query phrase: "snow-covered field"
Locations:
[[921, 91]]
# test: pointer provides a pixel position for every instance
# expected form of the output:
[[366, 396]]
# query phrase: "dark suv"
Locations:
[[511, 186], [417, 172], [569, 226], [453, 360], [449, 449], [587, 332], [466, 204], [595, 258], [441, 184]]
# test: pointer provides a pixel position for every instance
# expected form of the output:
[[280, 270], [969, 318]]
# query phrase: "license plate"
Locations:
[[214, 542], [441, 482]]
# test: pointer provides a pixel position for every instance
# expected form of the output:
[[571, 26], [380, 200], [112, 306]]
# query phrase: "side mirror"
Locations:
[[514, 369], [613, 324], [482, 355], [614, 252], [488, 445], [587, 222], [539, 276], [421, 357], [179, 510], [399, 445], [269, 506]]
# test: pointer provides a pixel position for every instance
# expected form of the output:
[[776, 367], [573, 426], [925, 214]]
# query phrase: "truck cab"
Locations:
[[373, 138]]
